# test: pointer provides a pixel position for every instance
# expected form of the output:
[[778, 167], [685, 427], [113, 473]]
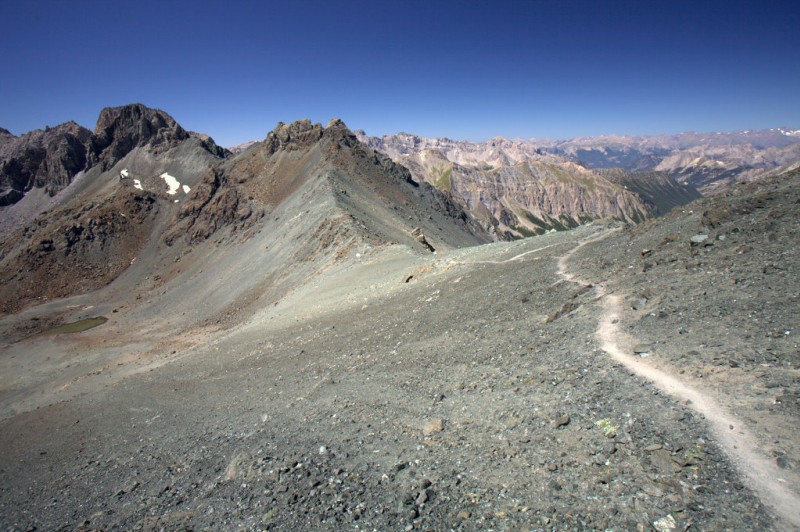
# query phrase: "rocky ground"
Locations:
[[466, 391], [284, 349]]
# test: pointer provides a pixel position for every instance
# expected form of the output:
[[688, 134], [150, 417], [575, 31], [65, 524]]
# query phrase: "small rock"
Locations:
[[643, 348], [697, 240], [561, 422], [651, 448], [665, 524], [662, 460], [433, 426], [464, 515]]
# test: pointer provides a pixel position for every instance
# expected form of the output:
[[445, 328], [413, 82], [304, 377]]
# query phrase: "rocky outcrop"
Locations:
[[214, 204], [46, 159]]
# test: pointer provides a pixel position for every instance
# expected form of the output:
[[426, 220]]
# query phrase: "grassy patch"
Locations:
[[77, 326], [441, 177], [608, 427]]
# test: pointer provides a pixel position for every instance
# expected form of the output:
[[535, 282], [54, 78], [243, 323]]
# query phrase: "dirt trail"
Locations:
[[741, 446], [515, 257]]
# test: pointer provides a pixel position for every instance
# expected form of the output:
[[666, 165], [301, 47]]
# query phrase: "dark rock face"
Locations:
[[294, 136], [121, 129], [658, 189], [43, 158], [212, 205], [49, 159]]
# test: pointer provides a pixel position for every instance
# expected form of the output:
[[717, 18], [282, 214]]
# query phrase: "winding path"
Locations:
[[741, 446]]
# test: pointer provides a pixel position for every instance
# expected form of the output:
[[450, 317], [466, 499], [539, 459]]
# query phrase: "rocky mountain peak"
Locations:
[[120, 129], [297, 135], [303, 134], [126, 117]]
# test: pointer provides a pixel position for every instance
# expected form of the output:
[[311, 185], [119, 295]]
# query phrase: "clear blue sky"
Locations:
[[466, 69]]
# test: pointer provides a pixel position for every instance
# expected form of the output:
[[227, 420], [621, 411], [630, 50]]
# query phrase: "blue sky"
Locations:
[[465, 70]]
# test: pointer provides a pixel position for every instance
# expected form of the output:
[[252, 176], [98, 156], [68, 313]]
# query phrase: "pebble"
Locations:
[[433, 426], [560, 421], [665, 524]]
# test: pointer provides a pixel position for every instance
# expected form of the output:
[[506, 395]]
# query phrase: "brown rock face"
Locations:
[[213, 205], [75, 249]]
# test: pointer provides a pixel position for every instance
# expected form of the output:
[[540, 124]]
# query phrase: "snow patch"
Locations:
[[124, 173], [137, 184], [186, 189], [172, 183]]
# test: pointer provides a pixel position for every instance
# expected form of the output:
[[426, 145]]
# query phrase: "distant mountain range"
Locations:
[[707, 161]]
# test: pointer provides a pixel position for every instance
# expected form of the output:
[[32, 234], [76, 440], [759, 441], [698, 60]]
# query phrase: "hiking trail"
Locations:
[[733, 437]]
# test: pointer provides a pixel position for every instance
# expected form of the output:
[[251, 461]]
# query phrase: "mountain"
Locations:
[[70, 233], [307, 335], [239, 148], [657, 188], [516, 188], [121, 129], [153, 193], [707, 161], [46, 159], [262, 379]]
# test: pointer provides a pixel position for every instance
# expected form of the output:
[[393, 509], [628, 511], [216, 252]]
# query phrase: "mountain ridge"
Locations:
[[155, 193]]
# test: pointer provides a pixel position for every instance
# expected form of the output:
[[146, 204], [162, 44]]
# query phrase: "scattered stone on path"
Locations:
[[665, 524], [433, 426], [561, 421], [420, 237], [662, 460]]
